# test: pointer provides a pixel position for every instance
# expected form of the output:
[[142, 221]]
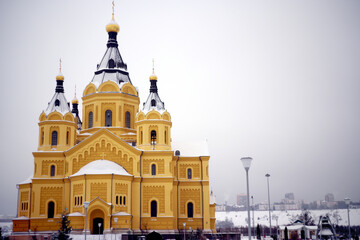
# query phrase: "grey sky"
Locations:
[[275, 80]]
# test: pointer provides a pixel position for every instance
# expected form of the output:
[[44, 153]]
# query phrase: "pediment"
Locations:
[[102, 145]]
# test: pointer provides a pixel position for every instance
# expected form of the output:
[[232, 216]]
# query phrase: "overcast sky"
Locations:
[[275, 80]]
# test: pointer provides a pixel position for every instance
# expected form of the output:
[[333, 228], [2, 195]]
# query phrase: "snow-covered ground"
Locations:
[[261, 217]]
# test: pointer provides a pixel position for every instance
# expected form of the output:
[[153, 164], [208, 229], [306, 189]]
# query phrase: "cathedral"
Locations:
[[115, 169]]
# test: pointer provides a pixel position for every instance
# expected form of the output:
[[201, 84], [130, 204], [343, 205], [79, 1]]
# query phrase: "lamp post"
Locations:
[[99, 224], [267, 176], [347, 202], [115, 220], [86, 205], [253, 210], [276, 217], [246, 161], [184, 229]]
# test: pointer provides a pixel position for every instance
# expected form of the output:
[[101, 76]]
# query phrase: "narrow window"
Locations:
[[141, 137], [90, 120], [76, 203], [165, 137], [153, 169], [189, 173], [108, 118], [51, 208], [127, 120], [153, 102], [120, 200], [57, 102], [124, 201], [52, 170], [153, 137], [111, 63], [42, 138], [67, 137], [190, 209], [153, 208], [81, 200], [117, 200], [54, 137]]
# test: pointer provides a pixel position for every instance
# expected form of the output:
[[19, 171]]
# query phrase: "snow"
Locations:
[[63, 107], [261, 217], [28, 180], [191, 148], [102, 167], [76, 214], [160, 106], [121, 214]]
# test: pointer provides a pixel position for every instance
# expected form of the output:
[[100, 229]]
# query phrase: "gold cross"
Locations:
[[75, 90], [113, 5], [153, 66], [60, 65], [103, 156]]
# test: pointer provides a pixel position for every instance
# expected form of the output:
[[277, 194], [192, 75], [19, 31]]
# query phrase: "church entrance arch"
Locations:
[[96, 218]]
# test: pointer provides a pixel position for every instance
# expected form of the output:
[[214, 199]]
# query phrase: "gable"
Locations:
[[102, 145]]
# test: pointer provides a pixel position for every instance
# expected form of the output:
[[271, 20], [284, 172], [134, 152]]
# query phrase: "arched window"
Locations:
[[120, 200], [153, 137], [52, 170], [54, 137], [90, 120], [57, 102], [189, 173], [165, 137], [153, 169], [127, 120], [111, 63], [141, 137], [117, 200], [153, 208], [67, 137], [153, 103], [42, 138], [108, 118], [190, 210], [51, 209], [124, 201], [81, 200]]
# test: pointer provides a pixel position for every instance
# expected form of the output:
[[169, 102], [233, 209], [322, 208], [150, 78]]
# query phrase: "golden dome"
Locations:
[[153, 77], [60, 77], [75, 101], [112, 27]]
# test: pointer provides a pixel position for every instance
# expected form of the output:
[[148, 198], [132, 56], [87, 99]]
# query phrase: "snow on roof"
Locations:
[[325, 232], [191, 148], [58, 103], [159, 105], [121, 214], [76, 214], [28, 180], [102, 167]]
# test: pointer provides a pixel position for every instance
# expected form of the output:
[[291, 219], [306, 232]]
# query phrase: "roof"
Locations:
[[157, 105], [28, 180], [58, 103], [191, 148], [102, 167]]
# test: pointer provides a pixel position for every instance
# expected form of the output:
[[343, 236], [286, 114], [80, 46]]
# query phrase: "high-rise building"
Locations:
[[119, 161], [241, 199]]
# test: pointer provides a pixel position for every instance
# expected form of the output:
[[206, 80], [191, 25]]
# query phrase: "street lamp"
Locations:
[[276, 217], [99, 224], [347, 202], [115, 220], [267, 176], [253, 210], [184, 229], [246, 161], [86, 205]]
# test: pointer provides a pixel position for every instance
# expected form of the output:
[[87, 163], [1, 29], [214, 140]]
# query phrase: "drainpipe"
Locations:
[[177, 197], [111, 209], [141, 178], [132, 217], [29, 209], [85, 187], [17, 210], [69, 194], [202, 194]]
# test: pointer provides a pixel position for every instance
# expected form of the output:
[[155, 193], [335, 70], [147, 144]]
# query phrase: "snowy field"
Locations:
[[261, 217]]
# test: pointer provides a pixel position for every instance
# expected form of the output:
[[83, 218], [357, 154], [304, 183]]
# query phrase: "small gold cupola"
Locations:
[[112, 25]]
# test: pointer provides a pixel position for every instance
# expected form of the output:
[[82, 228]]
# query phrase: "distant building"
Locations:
[[289, 196], [241, 199], [329, 197]]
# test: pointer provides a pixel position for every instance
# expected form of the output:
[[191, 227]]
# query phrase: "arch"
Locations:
[[190, 210], [153, 136], [154, 236], [90, 88], [153, 169], [90, 119], [189, 173], [153, 207], [42, 117], [96, 216], [54, 138], [129, 89], [55, 116], [108, 118], [153, 102], [57, 102], [51, 209], [140, 116], [166, 116], [111, 63], [109, 86], [153, 115], [52, 170], [127, 119]]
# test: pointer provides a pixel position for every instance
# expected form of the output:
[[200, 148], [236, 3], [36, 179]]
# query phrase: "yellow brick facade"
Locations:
[[142, 180]]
